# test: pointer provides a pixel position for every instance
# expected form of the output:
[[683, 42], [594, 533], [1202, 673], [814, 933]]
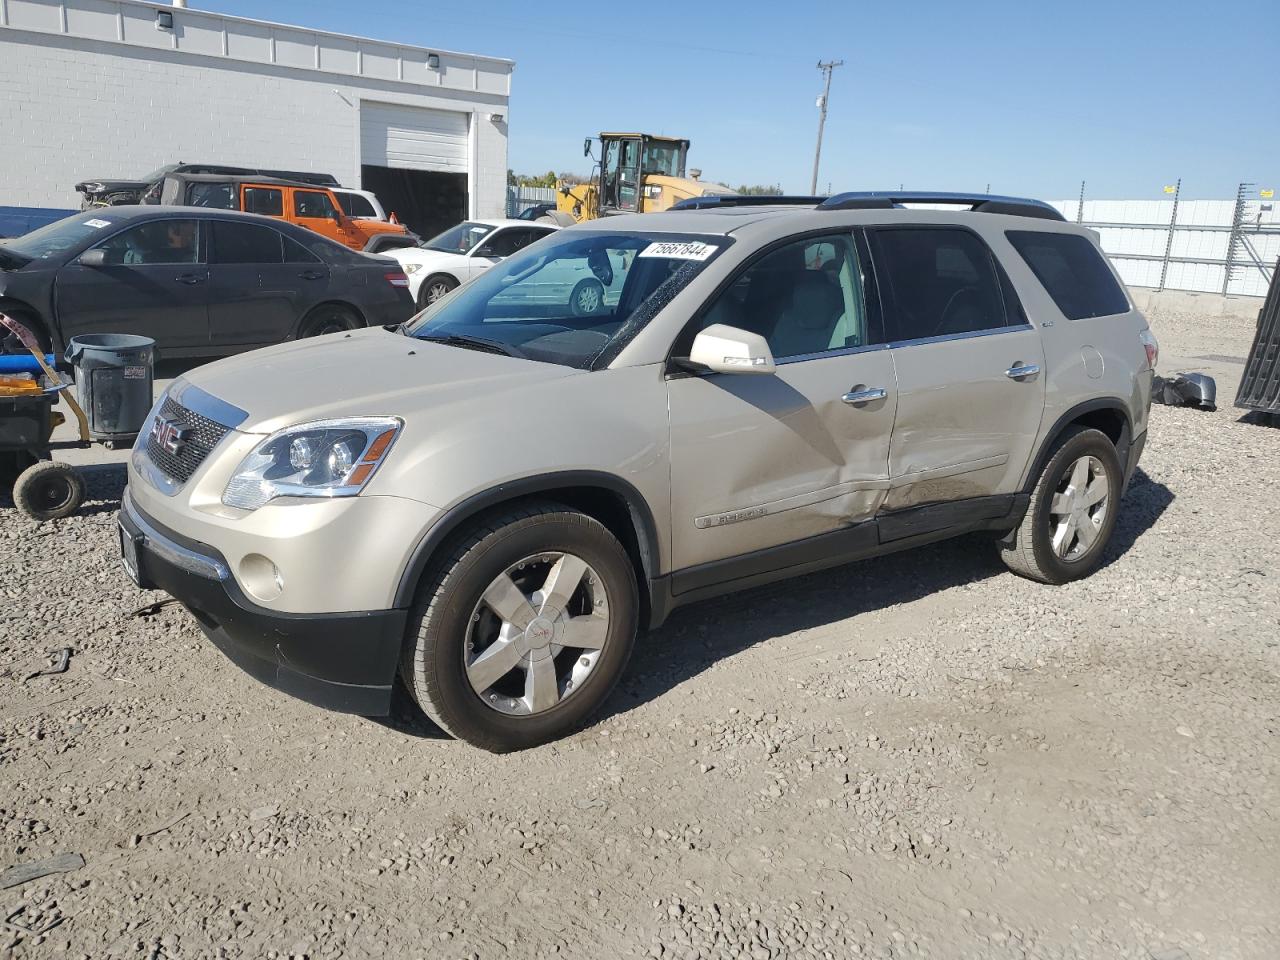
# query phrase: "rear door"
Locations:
[[762, 461], [256, 296], [969, 368], [155, 283]]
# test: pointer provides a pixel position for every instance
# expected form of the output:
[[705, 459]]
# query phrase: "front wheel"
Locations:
[[1072, 511], [524, 629], [433, 288], [587, 298]]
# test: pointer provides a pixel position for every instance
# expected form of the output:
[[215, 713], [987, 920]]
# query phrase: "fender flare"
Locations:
[[643, 524], [1123, 443]]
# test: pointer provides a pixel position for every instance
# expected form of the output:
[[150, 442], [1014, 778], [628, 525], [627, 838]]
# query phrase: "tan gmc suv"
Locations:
[[489, 502]]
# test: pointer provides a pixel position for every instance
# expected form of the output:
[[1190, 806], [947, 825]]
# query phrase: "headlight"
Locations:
[[412, 267], [327, 458]]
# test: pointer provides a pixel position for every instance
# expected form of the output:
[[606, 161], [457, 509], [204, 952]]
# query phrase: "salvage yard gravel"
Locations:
[[916, 756]]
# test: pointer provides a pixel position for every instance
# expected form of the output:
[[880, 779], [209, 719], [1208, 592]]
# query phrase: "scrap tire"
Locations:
[[432, 661], [48, 491], [1028, 550]]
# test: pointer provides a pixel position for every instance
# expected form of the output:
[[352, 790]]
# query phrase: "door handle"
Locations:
[[1021, 370], [192, 278], [866, 395], [311, 275]]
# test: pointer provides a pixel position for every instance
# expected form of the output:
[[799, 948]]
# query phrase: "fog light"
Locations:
[[260, 577]]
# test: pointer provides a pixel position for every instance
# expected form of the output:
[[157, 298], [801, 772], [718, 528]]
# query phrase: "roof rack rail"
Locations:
[[745, 200], [977, 202]]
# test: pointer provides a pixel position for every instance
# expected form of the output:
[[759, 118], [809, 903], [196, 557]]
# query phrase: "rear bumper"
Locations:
[[340, 661]]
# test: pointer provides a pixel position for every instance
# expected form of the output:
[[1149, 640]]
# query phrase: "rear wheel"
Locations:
[[329, 318], [435, 287], [48, 491], [522, 632], [1072, 511]]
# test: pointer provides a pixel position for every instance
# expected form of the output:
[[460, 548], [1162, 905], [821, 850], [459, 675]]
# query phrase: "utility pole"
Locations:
[[826, 66]]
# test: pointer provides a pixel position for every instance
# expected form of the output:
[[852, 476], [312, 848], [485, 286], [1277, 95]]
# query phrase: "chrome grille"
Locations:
[[205, 435]]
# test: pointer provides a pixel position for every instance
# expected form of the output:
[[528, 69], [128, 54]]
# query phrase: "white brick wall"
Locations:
[[75, 107]]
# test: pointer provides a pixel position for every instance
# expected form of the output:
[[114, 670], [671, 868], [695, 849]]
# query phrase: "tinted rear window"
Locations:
[[245, 243], [1072, 271]]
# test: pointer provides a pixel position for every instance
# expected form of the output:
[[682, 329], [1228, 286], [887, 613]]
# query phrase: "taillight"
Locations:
[[396, 279], [1151, 345]]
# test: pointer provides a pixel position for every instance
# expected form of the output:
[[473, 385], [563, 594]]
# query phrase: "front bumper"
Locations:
[[340, 661]]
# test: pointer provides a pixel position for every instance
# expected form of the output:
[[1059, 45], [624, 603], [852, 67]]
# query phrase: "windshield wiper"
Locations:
[[468, 342]]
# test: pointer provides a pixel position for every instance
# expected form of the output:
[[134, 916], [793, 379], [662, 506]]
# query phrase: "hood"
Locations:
[[110, 186], [421, 255], [363, 373]]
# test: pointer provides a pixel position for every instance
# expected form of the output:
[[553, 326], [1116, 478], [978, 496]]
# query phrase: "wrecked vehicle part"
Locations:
[[1186, 390]]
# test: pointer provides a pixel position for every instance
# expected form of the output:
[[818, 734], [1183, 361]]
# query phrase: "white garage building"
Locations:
[[117, 88]]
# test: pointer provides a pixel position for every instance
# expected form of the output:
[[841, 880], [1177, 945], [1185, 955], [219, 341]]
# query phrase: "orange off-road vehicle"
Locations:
[[305, 204]]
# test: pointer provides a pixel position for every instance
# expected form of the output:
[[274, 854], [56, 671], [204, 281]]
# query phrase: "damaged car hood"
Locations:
[[317, 379]]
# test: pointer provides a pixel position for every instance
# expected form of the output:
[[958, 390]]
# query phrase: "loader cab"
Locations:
[[626, 159]]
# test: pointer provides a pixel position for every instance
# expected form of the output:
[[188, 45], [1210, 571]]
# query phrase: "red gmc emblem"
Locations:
[[168, 435]]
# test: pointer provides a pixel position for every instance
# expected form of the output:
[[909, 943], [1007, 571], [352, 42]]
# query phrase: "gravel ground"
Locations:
[[917, 756]]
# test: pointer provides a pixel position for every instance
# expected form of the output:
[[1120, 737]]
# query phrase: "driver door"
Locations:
[[760, 461]]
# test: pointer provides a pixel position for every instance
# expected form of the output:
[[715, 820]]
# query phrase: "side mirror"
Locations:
[[586, 147], [96, 257], [725, 349]]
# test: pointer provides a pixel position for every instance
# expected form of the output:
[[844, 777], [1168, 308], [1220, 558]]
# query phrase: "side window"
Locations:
[[295, 252], [312, 204], [507, 242], [1072, 271], [804, 298], [216, 196], [937, 282], [245, 243], [354, 205], [158, 242], [264, 200]]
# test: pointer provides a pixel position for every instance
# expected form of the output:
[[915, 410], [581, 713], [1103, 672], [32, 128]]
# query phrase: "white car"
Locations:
[[436, 266]]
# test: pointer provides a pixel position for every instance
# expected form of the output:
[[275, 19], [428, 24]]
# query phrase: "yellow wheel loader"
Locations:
[[636, 173]]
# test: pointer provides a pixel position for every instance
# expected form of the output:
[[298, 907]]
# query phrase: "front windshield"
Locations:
[[571, 296], [61, 235], [459, 239]]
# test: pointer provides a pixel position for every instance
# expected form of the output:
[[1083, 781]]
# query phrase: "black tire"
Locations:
[[1029, 550], [329, 318], [48, 491], [433, 662], [10, 344], [433, 288], [587, 298]]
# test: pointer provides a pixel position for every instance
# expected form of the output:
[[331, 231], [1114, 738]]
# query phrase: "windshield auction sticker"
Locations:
[[97, 224], [678, 250]]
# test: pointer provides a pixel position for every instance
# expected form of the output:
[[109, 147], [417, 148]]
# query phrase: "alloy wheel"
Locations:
[[536, 634], [1079, 508], [436, 291]]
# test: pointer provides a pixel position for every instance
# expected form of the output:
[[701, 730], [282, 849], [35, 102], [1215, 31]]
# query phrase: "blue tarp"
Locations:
[[15, 221]]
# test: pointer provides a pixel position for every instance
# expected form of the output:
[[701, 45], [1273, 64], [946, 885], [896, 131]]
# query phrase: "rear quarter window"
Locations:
[[1072, 272]]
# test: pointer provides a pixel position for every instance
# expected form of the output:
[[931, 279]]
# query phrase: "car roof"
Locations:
[[505, 222], [242, 178]]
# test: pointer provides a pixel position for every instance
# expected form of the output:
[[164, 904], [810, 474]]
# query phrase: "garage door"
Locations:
[[414, 138]]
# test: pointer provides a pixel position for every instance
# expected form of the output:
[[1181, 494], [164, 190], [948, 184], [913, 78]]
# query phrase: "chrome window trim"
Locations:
[[188, 560], [969, 335], [207, 405], [898, 344]]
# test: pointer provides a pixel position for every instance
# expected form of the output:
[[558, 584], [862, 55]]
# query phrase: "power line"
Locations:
[[826, 66]]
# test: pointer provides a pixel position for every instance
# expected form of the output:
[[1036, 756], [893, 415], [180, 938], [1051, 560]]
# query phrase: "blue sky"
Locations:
[[1029, 97]]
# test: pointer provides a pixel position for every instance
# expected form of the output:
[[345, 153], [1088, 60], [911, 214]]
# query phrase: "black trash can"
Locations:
[[114, 377]]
